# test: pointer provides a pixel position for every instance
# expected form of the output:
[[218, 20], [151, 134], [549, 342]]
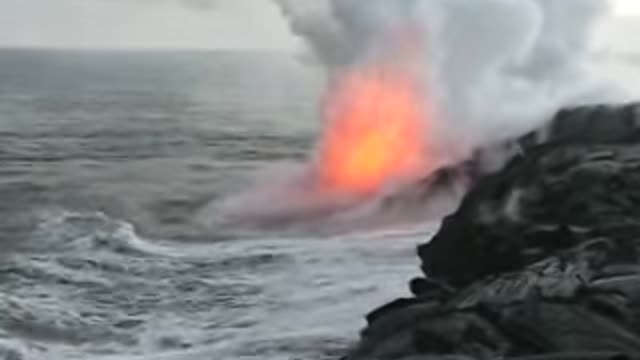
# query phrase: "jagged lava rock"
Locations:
[[540, 261], [546, 198]]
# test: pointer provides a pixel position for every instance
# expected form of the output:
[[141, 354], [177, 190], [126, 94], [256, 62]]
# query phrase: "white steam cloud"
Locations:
[[490, 70], [494, 68]]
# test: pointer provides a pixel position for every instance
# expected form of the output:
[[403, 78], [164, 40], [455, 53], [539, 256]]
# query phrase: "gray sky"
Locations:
[[181, 24], [144, 23]]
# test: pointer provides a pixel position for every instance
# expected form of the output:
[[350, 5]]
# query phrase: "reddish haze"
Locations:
[[376, 127]]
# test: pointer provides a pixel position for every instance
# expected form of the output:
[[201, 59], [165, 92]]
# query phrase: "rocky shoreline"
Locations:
[[540, 261]]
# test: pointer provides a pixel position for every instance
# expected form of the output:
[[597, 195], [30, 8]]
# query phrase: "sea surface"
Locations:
[[110, 166]]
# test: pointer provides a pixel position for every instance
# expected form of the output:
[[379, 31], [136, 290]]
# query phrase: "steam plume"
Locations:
[[474, 72], [494, 68]]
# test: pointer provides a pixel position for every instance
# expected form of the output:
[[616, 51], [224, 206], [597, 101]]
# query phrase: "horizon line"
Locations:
[[142, 49]]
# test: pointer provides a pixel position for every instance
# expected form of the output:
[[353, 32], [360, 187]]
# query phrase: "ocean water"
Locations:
[[108, 162]]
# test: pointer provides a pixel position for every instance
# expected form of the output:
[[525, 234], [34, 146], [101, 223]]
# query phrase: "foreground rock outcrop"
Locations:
[[540, 261]]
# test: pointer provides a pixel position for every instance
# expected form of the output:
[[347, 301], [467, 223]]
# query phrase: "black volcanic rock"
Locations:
[[601, 124], [540, 261]]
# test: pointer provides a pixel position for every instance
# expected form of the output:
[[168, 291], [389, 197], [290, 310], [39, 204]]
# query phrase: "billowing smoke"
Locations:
[[494, 68], [415, 87]]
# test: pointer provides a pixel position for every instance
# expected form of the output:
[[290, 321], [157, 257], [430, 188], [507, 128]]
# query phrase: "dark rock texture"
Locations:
[[540, 261]]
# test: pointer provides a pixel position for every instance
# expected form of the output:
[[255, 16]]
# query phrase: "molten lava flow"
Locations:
[[375, 130]]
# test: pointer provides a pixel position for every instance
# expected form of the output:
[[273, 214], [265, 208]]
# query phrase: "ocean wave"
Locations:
[[69, 230], [15, 350]]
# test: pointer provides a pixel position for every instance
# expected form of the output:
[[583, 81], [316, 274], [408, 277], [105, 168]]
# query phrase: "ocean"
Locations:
[[110, 166]]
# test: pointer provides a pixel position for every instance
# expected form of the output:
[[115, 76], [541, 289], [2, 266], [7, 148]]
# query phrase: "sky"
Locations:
[[200, 24], [627, 7], [253, 24]]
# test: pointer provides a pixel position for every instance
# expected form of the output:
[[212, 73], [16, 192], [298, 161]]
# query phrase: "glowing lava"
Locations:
[[375, 130]]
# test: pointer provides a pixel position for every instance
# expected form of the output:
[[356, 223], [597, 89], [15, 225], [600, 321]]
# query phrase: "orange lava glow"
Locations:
[[375, 130]]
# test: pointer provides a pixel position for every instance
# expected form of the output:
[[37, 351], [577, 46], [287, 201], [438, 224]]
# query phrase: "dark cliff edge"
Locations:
[[540, 261]]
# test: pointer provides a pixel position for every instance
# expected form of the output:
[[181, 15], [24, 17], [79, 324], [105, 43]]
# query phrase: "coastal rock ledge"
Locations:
[[541, 261]]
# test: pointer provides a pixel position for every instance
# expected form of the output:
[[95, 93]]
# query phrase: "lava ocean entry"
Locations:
[[376, 126], [377, 144]]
